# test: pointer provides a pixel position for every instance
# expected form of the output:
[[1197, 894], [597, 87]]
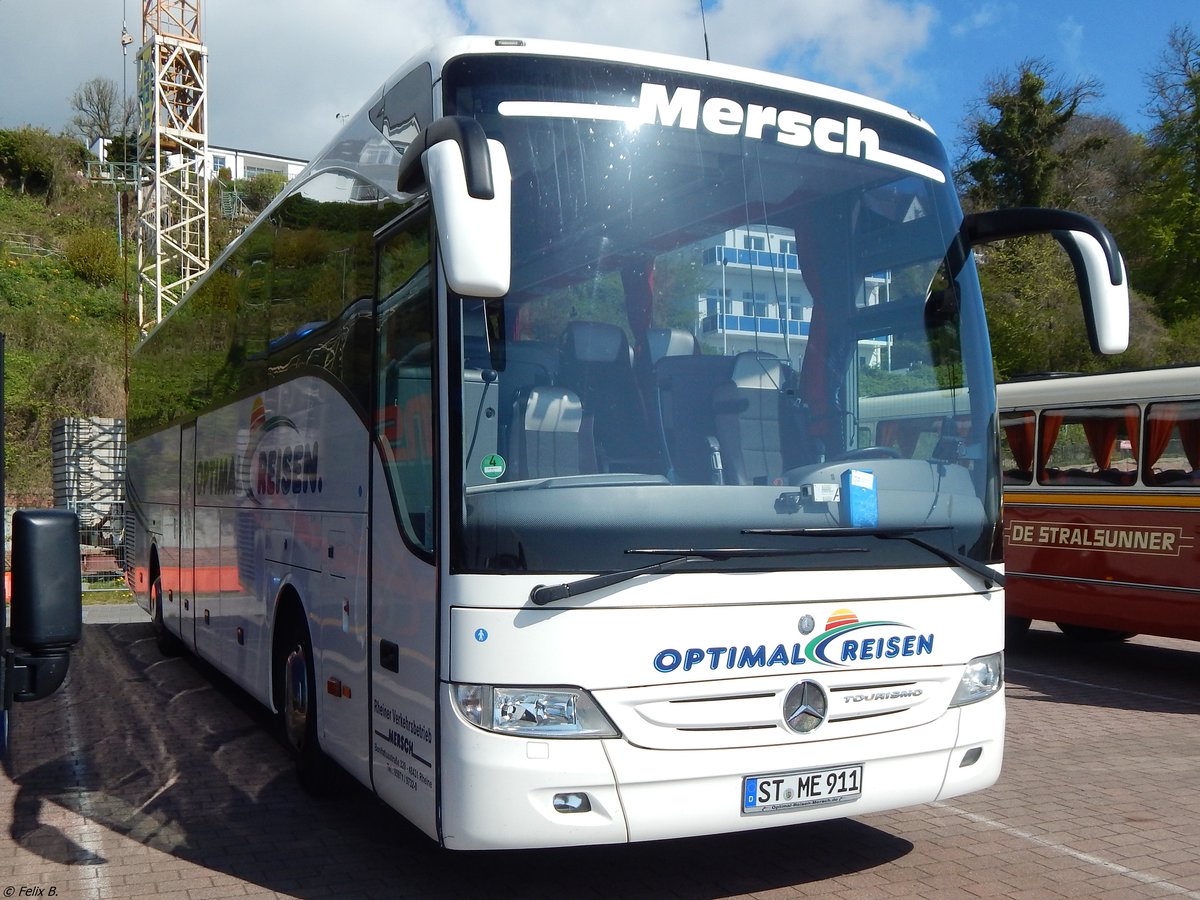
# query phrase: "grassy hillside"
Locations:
[[65, 314], [63, 317]]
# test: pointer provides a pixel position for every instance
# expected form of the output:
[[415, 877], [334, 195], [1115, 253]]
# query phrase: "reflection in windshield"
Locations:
[[708, 329]]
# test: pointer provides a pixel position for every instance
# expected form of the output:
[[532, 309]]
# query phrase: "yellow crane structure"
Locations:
[[173, 248]]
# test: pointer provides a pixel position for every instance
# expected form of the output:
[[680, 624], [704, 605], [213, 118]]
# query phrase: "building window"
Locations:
[[754, 242]]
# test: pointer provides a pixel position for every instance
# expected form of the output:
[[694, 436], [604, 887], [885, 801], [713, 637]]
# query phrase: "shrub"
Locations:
[[92, 255]]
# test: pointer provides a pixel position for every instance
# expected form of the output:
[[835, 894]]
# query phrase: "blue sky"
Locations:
[[280, 71], [1113, 43]]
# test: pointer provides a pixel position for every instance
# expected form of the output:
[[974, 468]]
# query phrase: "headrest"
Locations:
[[758, 371], [662, 342], [595, 342], [552, 409]]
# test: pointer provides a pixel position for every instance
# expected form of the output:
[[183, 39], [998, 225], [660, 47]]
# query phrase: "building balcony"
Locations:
[[755, 259], [753, 325]]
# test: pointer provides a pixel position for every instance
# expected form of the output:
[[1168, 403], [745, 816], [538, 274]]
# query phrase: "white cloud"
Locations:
[[280, 71], [981, 18], [866, 45], [1070, 38], [667, 26], [861, 44]]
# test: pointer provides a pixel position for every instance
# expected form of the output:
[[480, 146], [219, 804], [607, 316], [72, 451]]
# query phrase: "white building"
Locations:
[[240, 164], [246, 164], [754, 296]]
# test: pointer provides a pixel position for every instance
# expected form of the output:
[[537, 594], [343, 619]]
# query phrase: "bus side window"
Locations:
[[1016, 446], [1093, 446], [404, 411], [1172, 448]]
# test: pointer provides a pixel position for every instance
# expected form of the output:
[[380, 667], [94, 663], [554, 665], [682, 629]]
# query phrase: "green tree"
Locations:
[[1014, 147], [1101, 169], [261, 189], [30, 158], [1165, 244]]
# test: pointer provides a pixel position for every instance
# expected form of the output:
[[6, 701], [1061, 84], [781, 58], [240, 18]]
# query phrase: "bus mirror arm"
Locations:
[[469, 137], [1099, 269], [470, 185]]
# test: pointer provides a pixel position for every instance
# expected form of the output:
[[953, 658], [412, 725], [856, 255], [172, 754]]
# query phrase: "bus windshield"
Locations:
[[733, 309]]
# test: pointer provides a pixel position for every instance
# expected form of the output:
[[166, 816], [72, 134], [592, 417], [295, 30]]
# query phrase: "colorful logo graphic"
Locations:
[[274, 460], [846, 641], [279, 462]]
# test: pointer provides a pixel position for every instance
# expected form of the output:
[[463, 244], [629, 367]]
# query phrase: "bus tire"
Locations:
[[1016, 628], [1093, 635], [168, 644], [298, 706]]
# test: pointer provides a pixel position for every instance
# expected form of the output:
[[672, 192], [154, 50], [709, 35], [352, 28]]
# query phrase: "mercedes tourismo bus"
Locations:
[[1102, 502], [510, 455]]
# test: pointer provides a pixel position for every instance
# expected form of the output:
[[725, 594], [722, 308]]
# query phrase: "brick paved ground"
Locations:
[[153, 778]]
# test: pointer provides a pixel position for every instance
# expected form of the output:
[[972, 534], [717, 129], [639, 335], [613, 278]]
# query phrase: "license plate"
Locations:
[[806, 788]]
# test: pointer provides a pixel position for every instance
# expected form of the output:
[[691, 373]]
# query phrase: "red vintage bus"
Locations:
[[1102, 502]]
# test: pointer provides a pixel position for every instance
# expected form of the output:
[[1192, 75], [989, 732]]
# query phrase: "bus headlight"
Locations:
[[982, 677], [533, 711]]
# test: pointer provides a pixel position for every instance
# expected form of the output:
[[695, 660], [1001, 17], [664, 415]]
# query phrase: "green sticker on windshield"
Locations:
[[492, 466]]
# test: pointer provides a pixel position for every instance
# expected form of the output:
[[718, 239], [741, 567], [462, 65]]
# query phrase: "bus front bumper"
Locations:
[[524, 793]]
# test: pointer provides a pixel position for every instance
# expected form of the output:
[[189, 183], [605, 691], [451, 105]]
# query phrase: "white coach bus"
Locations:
[[469, 460]]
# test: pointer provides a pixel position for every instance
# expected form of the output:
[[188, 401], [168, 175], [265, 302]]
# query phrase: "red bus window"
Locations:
[[1016, 446], [1095, 446], [1172, 456]]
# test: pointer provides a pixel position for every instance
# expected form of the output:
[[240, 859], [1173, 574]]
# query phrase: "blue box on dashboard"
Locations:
[[860, 502]]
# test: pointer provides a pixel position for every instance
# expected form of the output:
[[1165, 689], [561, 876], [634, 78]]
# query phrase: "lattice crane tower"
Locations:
[[172, 149]]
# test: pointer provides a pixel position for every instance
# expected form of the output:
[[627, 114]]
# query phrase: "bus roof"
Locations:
[[440, 53], [1109, 387]]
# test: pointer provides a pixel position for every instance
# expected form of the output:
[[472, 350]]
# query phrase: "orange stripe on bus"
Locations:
[[1123, 498]]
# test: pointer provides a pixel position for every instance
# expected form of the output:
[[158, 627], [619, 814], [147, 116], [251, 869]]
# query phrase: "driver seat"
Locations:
[[750, 412]]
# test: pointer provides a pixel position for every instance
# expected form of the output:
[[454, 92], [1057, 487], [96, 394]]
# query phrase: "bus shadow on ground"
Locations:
[[170, 754], [1147, 674]]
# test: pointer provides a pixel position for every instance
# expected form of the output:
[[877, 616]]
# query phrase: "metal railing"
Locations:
[[15, 244]]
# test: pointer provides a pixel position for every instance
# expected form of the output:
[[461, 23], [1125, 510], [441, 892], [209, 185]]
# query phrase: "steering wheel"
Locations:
[[869, 453]]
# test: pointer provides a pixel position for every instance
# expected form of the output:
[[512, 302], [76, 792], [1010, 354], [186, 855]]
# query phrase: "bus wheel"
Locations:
[[1093, 635], [168, 644], [298, 709], [1016, 628]]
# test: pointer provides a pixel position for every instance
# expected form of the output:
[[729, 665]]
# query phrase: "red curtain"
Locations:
[[1051, 423], [1160, 422], [1020, 440], [887, 433], [1101, 435]]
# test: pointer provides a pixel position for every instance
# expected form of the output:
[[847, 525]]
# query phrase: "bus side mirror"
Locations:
[[1099, 269], [47, 609], [470, 184]]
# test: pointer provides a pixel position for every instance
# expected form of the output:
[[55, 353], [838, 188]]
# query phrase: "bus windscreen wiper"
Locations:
[[548, 593], [984, 571]]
